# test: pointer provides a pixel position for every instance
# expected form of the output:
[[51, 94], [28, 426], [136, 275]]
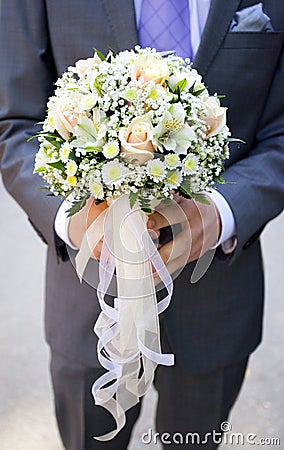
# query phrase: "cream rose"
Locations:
[[84, 65], [147, 68], [136, 141], [215, 115], [63, 118]]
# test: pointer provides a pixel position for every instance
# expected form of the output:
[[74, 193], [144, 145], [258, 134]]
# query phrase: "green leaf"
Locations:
[[185, 188], [201, 198], [146, 210], [56, 142], [100, 55], [220, 180], [53, 138], [144, 204], [40, 169], [77, 206], [111, 53], [98, 85], [133, 196], [92, 148], [57, 165], [186, 192], [235, 140], [180, 86], [72, 155], [199, 92], [191, 90], [167, 200], [32, 137]]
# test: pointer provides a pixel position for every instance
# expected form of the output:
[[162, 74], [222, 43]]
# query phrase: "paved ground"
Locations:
[[26, 410]]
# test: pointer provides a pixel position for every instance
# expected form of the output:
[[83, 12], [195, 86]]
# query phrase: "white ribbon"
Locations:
[[128, 332]]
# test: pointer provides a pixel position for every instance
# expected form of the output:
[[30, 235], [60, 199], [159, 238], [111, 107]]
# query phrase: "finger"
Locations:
[[170, 215], [166, 251], [97, 250], [180, 246], [176, 265], [156, 278], [94, 211], [154, 234], [196, 252]]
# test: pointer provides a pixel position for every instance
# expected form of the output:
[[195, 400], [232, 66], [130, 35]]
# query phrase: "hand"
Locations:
[[80, 222], [200, 230]]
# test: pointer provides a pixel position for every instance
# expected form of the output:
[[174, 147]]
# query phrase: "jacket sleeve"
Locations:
[[27, 74], [255, 185]]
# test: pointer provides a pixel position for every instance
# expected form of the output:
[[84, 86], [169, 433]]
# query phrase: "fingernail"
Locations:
[[151, 223]]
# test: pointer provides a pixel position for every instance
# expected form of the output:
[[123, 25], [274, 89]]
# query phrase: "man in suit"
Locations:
[[211, 326]]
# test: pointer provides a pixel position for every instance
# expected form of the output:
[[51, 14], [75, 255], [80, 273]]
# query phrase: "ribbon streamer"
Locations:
[[128, 332]]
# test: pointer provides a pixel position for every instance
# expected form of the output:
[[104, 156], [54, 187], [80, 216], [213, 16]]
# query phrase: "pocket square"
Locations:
[[251, 19]]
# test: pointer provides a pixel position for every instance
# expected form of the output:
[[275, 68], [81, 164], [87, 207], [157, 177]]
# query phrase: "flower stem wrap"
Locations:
[[128, 332]]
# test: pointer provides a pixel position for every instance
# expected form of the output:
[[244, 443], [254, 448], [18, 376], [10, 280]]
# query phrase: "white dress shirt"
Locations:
[[198, 15]]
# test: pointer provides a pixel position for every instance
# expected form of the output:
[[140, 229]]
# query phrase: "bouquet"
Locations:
[[131, 130]]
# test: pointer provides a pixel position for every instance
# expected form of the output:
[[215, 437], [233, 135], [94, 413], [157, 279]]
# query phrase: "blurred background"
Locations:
[[27, 419]]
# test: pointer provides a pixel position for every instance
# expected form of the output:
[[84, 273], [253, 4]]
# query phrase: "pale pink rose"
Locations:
[[63, 118], [147, 68], [83, 65], [136, 141], [215, 115]]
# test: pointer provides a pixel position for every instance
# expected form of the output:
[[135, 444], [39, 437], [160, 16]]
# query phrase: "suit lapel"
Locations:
[[121, 18], [219, 18]]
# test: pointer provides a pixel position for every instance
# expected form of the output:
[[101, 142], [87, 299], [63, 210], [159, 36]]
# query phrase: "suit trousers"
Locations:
[[189, 406]]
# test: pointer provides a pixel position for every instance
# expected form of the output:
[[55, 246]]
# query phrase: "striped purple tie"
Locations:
[[165, 25]]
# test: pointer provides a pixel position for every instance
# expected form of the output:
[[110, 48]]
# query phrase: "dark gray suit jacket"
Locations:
[[217, 320]]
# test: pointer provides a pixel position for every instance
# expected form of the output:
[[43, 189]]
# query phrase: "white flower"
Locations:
[[89, 101], [176, 78], [90, 130], [41, 160], [113, 173], [71, 180], [71, 168], [193, 80], [190, 164], [156, 169], [111, 149], [96, 188], [173, 133], [113, 115], [130, 94], [64, 152], [172, 161], [173, 178]]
